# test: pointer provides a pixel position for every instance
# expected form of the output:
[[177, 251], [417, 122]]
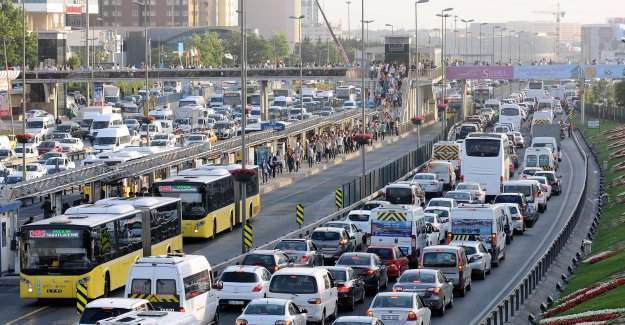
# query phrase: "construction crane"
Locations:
[[558, 14], [337, 42]]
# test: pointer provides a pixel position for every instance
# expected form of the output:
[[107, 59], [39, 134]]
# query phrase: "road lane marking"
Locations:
[[27, 315]]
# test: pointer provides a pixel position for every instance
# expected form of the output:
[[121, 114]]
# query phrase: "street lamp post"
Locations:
[[349, 22], [146, 107], [519, 47], [443, 16], [492, 58], [501, 30], [364, 72], [301, 65], [510, 36], [392, 28], [456, 52], [24, 87], [417, 64], [466, 36], [480, 37], [243, 56]]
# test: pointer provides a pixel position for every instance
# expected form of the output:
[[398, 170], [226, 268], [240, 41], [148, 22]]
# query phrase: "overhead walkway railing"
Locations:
[[84, 175]]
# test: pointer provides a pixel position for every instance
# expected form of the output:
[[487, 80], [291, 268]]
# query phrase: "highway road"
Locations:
[[276, 218]]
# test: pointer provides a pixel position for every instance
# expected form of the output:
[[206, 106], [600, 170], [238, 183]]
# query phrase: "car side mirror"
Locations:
[[218, 285], [352, 237], [303, 311]]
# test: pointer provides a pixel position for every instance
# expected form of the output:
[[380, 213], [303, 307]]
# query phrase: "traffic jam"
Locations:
[[409, 254]]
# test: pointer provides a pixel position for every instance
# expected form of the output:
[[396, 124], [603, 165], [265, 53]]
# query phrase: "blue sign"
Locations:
[[274, 125], [547, 72], [391, 228], [180, 48], [262, 155], [604, 71]]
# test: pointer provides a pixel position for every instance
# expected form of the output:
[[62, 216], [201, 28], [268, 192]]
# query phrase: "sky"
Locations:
[[401, 12]]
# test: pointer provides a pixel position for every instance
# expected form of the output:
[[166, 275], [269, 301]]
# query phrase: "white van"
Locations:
[[154, 128], [309, 288], [162, 114], [549, 142], [400, 225], [540, 157], [40, 127], [112, 139], [195, 100], [184, 281], [484, 221], [150, 318], [104, 308], [105, 121]]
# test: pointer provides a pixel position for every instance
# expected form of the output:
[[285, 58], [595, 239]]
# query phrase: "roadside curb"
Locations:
[[9, 281]]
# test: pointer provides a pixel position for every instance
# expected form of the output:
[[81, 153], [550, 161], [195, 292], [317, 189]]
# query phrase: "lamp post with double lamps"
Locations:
[[392, 28], [417, 65], [301, 65], [444, 15], [466, 36]]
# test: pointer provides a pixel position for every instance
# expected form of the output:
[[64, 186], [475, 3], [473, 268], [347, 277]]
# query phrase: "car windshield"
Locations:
[[259, 260], [392, 302], [531, 160], [64, 128], [5, 153], [523, 189], [440, 212], [543, 160], [353, 260], [382, 252], [104, 140], [93, 315], [291, 245], [100, 125], [549, 176], [239, 276], [429, 219], [424, 176], [69, 140], [416, 277], [529, 171], [195, 138], [470, 250], [439, 203], [264, 309], [34, 124], [399, 195], [47, 144], [510, 111], [439, 259], [293, 283], [86, 123], [325, 235], [459, 196], [337, 225], [507, 199], [358, 217], [159, 143], [55, 161], [467, 187], [339, 275]]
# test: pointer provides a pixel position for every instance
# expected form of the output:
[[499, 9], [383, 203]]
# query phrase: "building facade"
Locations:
[[275, 20], [603, 43]]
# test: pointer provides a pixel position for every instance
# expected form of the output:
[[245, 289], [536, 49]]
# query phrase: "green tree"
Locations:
[[259, 50], [11, 31], [210, 48], [619, 94], [74, 62], [279, 46]]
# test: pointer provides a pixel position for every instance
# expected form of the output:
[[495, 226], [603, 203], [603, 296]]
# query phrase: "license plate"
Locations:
[[236, 302], [390, 317]]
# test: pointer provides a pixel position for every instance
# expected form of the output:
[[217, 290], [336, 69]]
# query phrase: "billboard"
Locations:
[[546, 72], [604, 71], [480, 72]]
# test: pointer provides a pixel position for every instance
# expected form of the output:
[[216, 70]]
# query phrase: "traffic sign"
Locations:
[[299, 214], [248, 236], [82, 298], [338, 198]]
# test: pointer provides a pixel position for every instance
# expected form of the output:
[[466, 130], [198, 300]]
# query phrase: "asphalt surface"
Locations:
[[277, 217]]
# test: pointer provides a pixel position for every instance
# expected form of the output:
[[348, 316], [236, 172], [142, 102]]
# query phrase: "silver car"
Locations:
[[430, 184], [474, 188], [436, 291], [301, 252], [478, 256]]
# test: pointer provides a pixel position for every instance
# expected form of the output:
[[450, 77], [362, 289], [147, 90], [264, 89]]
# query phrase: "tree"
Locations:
[[11, 30], [619, 94], [74, 62], [210, 48], [279, 46]]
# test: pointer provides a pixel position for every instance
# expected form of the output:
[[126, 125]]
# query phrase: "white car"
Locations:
[[442, 202], [518, 139], [360, 218], [72, 144], [272, 311], [169, 139], [195, 138], [444, 218], [437, 236], [31, 151], [395, 308], [544, 184], [102, 308], [33, 170], [478, 256], [517, 218], [474, 188], [242, 284], [349, 104], [58, 164], [429, 183]]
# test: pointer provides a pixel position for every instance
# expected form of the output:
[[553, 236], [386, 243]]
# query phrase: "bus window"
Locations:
[[129, 235], [105, 242], [509, 111], [482, 147], [165, 222]]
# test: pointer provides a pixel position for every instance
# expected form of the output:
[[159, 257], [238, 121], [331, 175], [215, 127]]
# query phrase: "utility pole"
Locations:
[[242, 186], [363, 91], [87, 45], [349, 25]]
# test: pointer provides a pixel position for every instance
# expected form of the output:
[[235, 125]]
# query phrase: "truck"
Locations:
[[448, 151], [111, 94]]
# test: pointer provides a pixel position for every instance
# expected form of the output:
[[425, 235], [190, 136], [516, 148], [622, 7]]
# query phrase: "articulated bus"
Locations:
[[486, 160], [207, 195], [95, 244]]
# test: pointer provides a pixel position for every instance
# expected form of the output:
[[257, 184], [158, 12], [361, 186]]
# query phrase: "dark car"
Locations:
[[368, 267], [518, 198], [350, 288], [435, 290], [553, 180], [272, 260], [395, 261], [49, 146], [332, 241], [301, 252], [72, 128]]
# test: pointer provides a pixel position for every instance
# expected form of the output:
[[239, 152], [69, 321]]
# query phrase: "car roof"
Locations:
[[265, 252], [356, 319], [367, 212], [441, 248], [400, 293], [300, 271], [243, 268], [262, 301], [329, 229], [116, 303], [464, 243]]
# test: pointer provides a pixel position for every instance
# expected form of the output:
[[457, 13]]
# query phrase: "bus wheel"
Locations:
[[107, 285], [251, 211], [214, 229], [232, 221], [168, 250]]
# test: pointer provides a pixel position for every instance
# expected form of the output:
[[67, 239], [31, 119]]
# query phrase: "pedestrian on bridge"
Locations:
[[47, 208]]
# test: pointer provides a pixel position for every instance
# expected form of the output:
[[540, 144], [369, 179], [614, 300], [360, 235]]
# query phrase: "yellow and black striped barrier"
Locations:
[[571, 115], [248, 236], [82, 298], [465, 237], [338, 198], [299, 214], [154, 298], [392, 216]]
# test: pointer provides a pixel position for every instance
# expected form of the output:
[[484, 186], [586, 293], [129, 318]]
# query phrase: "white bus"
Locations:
[[511, 113], [345, 93], [485, 160], [536, 89]]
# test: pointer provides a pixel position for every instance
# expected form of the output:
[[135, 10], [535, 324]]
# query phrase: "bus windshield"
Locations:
[[482, 147], [54, 249], [509, 111], [191, 195]]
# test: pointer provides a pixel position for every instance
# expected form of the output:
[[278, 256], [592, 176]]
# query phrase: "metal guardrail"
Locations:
[[83, 175], [504, 310], [375, 180]]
